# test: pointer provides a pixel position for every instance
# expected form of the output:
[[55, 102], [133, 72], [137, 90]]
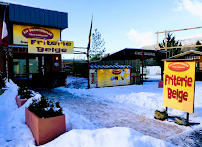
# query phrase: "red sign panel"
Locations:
[[179, 66], [39, 33], [116, 71]]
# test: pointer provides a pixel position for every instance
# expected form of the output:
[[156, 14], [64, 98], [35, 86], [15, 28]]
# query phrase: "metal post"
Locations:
[[142, 64], [88, 68], [27, 70], [7, 64], [188, 117]]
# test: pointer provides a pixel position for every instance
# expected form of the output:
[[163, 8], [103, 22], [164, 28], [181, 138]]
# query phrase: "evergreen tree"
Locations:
[[198, 48], [98, 46], [170, 43]]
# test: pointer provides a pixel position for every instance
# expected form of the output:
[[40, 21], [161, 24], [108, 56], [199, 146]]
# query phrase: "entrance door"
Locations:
[[19, 69], [33, 67], [25, 69]]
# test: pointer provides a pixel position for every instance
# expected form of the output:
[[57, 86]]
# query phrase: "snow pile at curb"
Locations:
[[14, 131]]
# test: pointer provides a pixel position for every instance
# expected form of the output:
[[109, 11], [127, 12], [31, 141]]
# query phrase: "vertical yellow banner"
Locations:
[[179, 85]]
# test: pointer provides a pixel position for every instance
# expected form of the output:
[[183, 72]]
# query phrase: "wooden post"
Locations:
[[27, 70], [166, 43], [157, 40]]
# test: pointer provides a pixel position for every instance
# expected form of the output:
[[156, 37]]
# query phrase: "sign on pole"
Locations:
[[179, 85], [50, 46]]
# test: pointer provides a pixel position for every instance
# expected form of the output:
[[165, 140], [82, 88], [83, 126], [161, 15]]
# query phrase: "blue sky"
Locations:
[[122, 24]]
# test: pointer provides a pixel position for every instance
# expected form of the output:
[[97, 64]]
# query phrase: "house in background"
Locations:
[[197, 56]]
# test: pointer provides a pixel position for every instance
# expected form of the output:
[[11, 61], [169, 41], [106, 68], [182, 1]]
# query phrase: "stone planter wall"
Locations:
[[19, 101], [46, 129]]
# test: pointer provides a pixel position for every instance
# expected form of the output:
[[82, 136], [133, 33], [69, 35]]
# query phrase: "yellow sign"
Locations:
[[21, 33], [179, 85], [113, 77], [50, 46]]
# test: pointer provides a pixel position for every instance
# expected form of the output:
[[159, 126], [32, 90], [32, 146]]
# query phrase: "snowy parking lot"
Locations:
[[111, 116]]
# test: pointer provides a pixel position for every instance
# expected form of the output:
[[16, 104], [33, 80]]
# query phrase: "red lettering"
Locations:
[[40, 49], [38, 42], [33, 41], [179, 95], [57, 50], [54, 43], [178, 80], [64, 50], [48, 43], [182, 79], [185, 96], [174, 93], [169, 93], [166, 79], [48, 49], [189, 81], [174, 80]]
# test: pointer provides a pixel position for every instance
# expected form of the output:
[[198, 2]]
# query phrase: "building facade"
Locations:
[[32, 28]]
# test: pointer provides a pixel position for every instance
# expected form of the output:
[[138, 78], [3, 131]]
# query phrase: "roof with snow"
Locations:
[[22, 14], [132, 54], [186, 55], [109, 66]]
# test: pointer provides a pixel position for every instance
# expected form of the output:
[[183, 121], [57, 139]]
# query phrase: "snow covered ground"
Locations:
[[145, 99]]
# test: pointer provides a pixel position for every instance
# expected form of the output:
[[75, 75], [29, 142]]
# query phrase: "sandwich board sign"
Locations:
[[179, 84]]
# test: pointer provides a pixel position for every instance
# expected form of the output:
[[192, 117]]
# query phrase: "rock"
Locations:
[[181, 121], [161, 115]]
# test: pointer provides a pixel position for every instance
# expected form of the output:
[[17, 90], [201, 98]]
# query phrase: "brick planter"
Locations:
[[46, 129], [19, 101]]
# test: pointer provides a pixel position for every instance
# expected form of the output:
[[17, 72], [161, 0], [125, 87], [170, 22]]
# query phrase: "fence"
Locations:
[[81, 68]]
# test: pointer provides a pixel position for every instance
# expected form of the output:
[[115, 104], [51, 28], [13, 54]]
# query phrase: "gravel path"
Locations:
[[107, 114]]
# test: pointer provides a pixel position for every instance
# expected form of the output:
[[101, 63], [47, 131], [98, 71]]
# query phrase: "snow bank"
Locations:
[[113, 137], [14, 131]]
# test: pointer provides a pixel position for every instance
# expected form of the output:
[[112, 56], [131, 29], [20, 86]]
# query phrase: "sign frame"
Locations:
[[179, 84]]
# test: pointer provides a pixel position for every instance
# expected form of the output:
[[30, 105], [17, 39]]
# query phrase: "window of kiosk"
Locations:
[[33, 67], [19, 69]]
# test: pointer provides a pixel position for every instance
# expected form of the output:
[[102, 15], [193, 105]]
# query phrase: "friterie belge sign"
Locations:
[[179, 85], [50, 46]]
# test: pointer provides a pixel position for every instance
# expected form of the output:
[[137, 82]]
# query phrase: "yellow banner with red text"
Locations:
[[179, 85], [40, 46], [22, 32], [113, 77]]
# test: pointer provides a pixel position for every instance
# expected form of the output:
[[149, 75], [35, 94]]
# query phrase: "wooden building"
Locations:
[[197, 56]]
